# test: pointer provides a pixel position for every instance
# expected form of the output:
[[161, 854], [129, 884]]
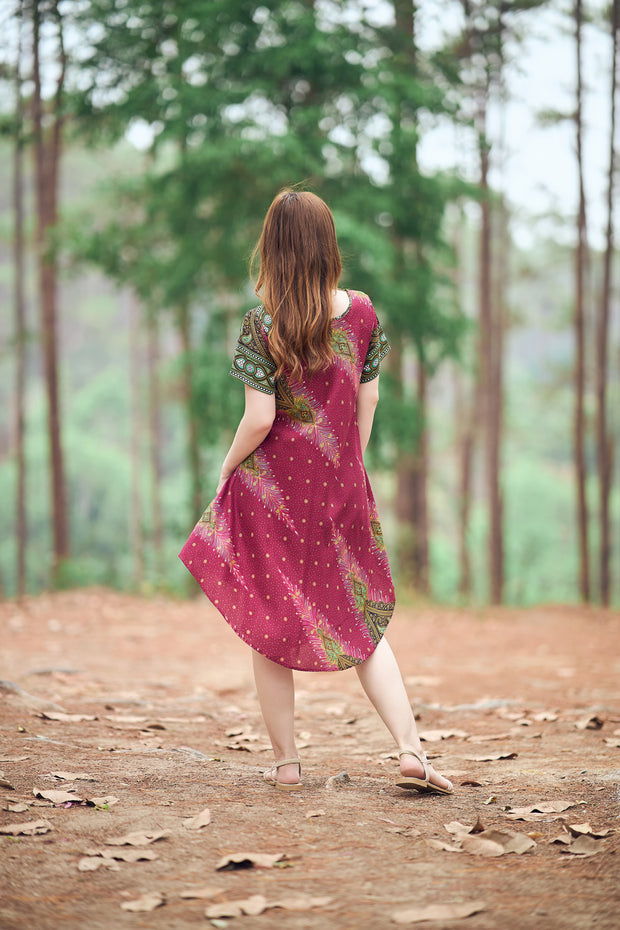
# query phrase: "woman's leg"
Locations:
[[382, 681], [276, 696]]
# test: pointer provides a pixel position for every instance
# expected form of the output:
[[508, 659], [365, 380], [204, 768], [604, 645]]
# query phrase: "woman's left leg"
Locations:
[[383, 683], [276, 696]]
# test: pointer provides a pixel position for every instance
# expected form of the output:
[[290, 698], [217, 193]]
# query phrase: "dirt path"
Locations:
[[172, 728]]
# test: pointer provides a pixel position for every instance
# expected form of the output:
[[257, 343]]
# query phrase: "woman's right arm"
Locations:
[[367, 400]]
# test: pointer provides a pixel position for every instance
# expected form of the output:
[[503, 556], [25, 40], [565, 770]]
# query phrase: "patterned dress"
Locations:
[[291, 550]]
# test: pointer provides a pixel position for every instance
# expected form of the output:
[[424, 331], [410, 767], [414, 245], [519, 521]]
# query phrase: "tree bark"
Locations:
[[155, 443], [193, 445], [21, 530], [603, 438], [579, 328], [135, 366], [47, 147]]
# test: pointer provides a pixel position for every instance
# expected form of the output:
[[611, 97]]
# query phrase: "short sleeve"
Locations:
[[378, 348], [252, 362]]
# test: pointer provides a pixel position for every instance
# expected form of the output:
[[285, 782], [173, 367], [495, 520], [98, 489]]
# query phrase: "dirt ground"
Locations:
[[172, 727]]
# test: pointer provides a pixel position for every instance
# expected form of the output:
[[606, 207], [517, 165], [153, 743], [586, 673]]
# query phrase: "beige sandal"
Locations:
[[423, 785], [283, 786]]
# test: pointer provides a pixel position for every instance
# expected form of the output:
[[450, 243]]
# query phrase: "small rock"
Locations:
[[338, 781]]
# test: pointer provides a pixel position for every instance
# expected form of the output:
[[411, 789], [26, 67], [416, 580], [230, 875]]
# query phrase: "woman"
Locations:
[[290, 550]]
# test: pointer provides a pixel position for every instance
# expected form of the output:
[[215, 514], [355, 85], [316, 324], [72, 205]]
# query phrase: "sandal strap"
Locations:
[[420, 757], [278, 765]]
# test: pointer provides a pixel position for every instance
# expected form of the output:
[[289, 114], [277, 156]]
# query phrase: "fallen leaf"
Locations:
[[198, 893], [126, 855], [58, 797], [481, 846], [564, 839], [584, 846], [579, 829], [244, 860], [433, 736], [591, 722], [137, 839], [30, 828], [491, 800], [493, 757], [72, 776], [4, 759], [444, 847], [65, 718], [202, 819], [471, 783], [107, 801], [312, 814], [613, 742], [124, 718], [537, 812], [5, 783], [15, 807], [148, 902], [252, 906], [92, 863], [386, 820], [455, 827], [545, 715], [508, 842], [415, 915]]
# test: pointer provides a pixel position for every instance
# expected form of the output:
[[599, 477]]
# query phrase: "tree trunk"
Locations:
[[47, 146], [135, 367], [579, 377], [193, 446], [155, 437], [603, 439], [21, 529]]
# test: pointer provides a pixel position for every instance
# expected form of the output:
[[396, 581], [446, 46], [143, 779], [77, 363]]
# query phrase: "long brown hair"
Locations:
[[299, 269]]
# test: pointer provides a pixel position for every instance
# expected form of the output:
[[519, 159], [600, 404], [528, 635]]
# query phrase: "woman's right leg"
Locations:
[[276, 696]]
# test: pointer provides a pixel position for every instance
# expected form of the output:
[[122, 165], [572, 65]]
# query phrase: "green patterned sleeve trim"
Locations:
[[377, 350], [252, 362]]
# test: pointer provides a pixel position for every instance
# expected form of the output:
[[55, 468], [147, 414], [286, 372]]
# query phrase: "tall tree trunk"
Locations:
[[193, 446], [135, 368], [20, 318], [579, 327], [155, 437], [603, 439], [47, 147]]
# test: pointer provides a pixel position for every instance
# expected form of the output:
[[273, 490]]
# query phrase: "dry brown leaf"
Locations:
[[444, 847], [615, 742], [5, 783], [509, 842], [58, 797], [30, 828], [584, 846], [203, 819], [481, 846], [92, 863], [65, 718], [415, 915], [491, 737], [252, 906], [72, 776], [124, 718], [545, 715], [199, 893], [455, 827], [15, 807], [16, 759], [591, 722], [138, 838], [148, 902], [245, 860], [128, 855], [312, 814], [537, 812], [493, 757], [107, 801], [579, 829], [434, 736]]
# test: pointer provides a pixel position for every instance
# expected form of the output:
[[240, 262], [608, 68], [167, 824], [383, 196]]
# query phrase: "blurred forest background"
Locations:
[[142, 142]]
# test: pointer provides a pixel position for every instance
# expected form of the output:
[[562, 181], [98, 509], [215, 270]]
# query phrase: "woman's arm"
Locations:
[[257, 420], [367, 400]]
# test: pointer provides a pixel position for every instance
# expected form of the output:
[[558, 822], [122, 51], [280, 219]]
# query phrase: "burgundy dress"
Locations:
[[291, 550]]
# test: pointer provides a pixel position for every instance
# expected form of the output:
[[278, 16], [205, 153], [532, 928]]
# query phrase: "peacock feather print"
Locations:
[[307, 418], [257, 476]]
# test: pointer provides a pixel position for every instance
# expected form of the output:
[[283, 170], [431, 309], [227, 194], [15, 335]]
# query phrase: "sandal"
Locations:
[[423, 785], [283, 786]]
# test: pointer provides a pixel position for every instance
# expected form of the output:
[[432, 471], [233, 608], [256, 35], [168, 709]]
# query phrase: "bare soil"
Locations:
[[176, 729]]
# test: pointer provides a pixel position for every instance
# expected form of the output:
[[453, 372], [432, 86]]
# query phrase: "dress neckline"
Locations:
[[344, 312]]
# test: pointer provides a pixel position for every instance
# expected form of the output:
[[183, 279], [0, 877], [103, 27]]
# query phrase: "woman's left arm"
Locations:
[[256, 422]]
